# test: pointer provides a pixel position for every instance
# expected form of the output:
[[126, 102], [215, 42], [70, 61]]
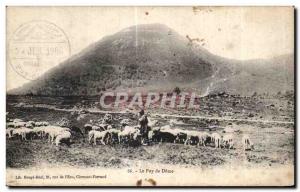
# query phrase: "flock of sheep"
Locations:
[[37, 130], [106, 134]]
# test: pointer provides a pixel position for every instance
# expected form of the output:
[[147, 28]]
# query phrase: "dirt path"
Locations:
[[164, 115], [225, 119]]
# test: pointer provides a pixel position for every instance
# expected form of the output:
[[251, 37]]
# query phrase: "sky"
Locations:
[[234, 32]]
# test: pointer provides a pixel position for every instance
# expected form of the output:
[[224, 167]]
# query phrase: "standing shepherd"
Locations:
[[143, 122]]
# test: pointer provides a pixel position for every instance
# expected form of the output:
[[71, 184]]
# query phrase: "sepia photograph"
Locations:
[[150, 96]]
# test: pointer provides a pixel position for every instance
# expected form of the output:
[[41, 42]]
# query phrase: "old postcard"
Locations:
[[150, 96]]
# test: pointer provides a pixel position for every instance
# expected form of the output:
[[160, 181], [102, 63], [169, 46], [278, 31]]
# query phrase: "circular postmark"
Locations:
[[36, 47]]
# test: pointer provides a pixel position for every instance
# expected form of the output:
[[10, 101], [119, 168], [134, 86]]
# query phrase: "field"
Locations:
[[268, 121]]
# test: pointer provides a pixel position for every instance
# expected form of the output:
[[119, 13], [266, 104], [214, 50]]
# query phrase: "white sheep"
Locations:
[[166, 127], [40, 131], [203, 136], [17, 120], [152, 123], [16, 132], [23, 131], [127, 133], [151, 135], [91, 135], [19, 124], [30, 124], [100, 135], [38, 124], [216, 139], [247, 143], [64, 135], [54, 131], [58, 131], [10, 124], [9, 132], [228, 141], [88, 126], [136, 136]]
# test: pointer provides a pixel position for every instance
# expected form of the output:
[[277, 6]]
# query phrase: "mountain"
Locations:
[[262, 76], [155, 57]]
